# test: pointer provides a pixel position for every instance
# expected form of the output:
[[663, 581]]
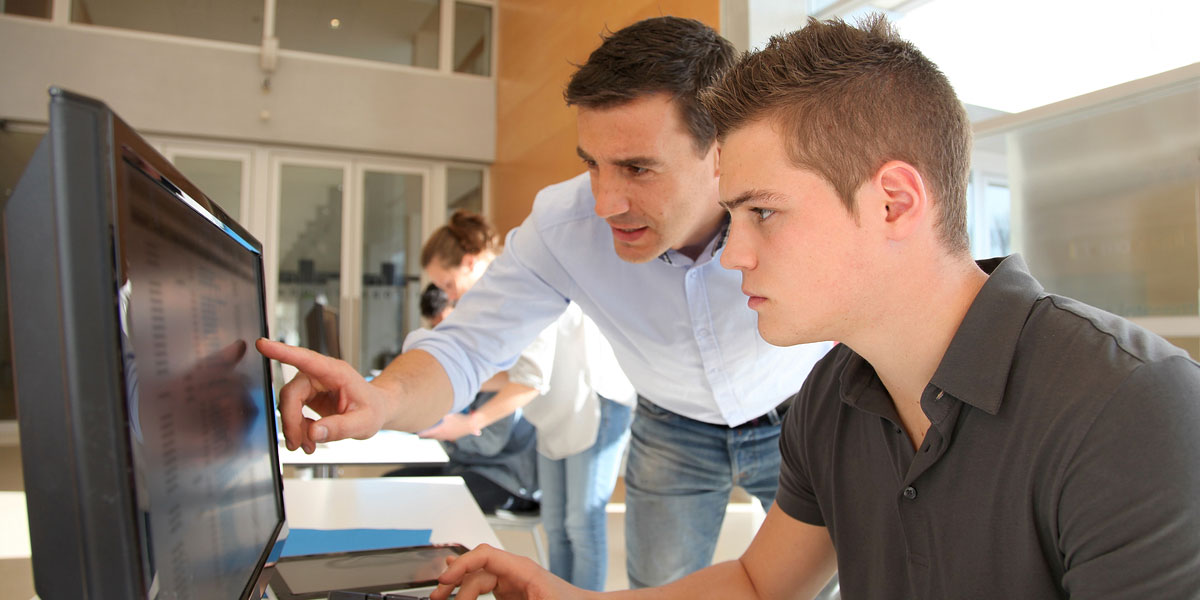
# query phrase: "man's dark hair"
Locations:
[[849, 99], [670, 55], [433, 301]]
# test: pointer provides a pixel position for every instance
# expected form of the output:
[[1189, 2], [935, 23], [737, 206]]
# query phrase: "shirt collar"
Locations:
[[722, 235], [713, 247], [979, 359]]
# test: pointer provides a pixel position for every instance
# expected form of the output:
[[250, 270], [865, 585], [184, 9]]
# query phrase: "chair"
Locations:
[[527, 522]]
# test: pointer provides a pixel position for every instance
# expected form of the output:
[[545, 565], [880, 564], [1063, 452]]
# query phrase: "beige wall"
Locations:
[[215, 90], [538, 41]]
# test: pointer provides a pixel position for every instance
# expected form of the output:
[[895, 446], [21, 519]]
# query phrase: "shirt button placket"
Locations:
[[704, 338]]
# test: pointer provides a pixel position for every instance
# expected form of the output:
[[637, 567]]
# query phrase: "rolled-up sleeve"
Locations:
[[496, 320]]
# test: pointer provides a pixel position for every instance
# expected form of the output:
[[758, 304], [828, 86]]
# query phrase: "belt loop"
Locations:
[[773, 416]]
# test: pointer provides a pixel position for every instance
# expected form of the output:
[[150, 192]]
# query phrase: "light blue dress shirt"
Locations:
[[680, 328]]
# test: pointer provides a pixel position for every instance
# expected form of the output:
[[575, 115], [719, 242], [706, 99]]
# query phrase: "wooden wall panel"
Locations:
[[537, 44]]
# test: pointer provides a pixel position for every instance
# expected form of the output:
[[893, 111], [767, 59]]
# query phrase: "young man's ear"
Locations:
[[905, 200]]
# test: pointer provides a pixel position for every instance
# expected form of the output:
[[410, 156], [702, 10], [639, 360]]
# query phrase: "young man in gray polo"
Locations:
[[973, 436]]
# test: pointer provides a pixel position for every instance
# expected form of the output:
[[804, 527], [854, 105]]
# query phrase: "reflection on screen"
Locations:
[[375, 570], [195, 390]]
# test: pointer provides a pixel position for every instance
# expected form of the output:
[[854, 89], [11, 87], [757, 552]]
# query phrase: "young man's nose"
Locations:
[[736, 254]]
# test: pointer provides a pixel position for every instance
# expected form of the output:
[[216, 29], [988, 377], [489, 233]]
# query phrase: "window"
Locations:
[[464, 189], [391, 246], [1101, 196], [997, 202], [16, 148], [27, 8], [222, 20], [472, 39], [989, 206], [452, 37], [349, 234], [403, 32], [221, 180], [309, 257]]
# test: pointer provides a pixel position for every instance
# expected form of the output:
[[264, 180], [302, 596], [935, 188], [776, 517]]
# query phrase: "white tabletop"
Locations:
[[14, 526], [9, 434], [441, 504], [384, 448]]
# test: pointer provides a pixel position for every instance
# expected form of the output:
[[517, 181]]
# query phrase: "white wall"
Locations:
[[175, 86], [748, 24]]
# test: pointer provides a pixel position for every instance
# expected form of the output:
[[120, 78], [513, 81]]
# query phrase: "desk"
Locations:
[[9, 435], [384, 448], [16, 567], [14, 526], [442, 504]]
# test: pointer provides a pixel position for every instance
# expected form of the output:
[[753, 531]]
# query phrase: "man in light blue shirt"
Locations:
[[636, 242]]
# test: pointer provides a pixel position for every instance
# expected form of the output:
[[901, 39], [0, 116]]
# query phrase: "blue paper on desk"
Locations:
[[302, 542]]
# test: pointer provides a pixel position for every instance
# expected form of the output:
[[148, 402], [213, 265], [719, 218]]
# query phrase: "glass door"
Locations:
[[346, 253], [392, 216], [223, 174], [311, 198]]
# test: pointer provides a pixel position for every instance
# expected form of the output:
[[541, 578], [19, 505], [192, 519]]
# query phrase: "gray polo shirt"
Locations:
[[1063, 459]]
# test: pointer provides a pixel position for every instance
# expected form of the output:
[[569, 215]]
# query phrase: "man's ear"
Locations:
[[468, 261], [717, 159], [904, 197]]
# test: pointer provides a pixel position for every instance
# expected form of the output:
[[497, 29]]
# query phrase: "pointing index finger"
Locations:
[[317, 366]]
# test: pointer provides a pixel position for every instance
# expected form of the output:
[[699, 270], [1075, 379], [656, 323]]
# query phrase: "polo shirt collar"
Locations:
[[979, 359], [976, 365]]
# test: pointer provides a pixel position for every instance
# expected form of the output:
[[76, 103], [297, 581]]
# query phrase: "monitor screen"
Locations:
[[164, 482], [190, 299]]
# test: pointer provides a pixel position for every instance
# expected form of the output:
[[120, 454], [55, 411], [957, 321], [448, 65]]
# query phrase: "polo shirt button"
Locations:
[[910, 492]]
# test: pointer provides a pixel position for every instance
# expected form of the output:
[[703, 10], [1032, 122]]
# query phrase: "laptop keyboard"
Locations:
[[370, 596]]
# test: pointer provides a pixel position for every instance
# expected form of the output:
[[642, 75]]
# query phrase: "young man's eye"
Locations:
[[762, 213]]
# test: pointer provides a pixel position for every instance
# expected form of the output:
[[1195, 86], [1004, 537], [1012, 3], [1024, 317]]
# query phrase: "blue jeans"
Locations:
[[677, 484], [575, 491]]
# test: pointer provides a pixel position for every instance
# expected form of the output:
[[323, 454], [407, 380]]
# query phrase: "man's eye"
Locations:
[[590, 164], [634, 170], [762, 213]]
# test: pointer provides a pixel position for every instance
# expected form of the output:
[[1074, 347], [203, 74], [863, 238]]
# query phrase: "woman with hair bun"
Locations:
[[458, 253]]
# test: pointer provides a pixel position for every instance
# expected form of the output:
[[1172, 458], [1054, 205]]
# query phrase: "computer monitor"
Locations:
[[146, 421]]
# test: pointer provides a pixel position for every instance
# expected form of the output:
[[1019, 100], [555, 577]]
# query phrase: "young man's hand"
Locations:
[[506, 576]]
